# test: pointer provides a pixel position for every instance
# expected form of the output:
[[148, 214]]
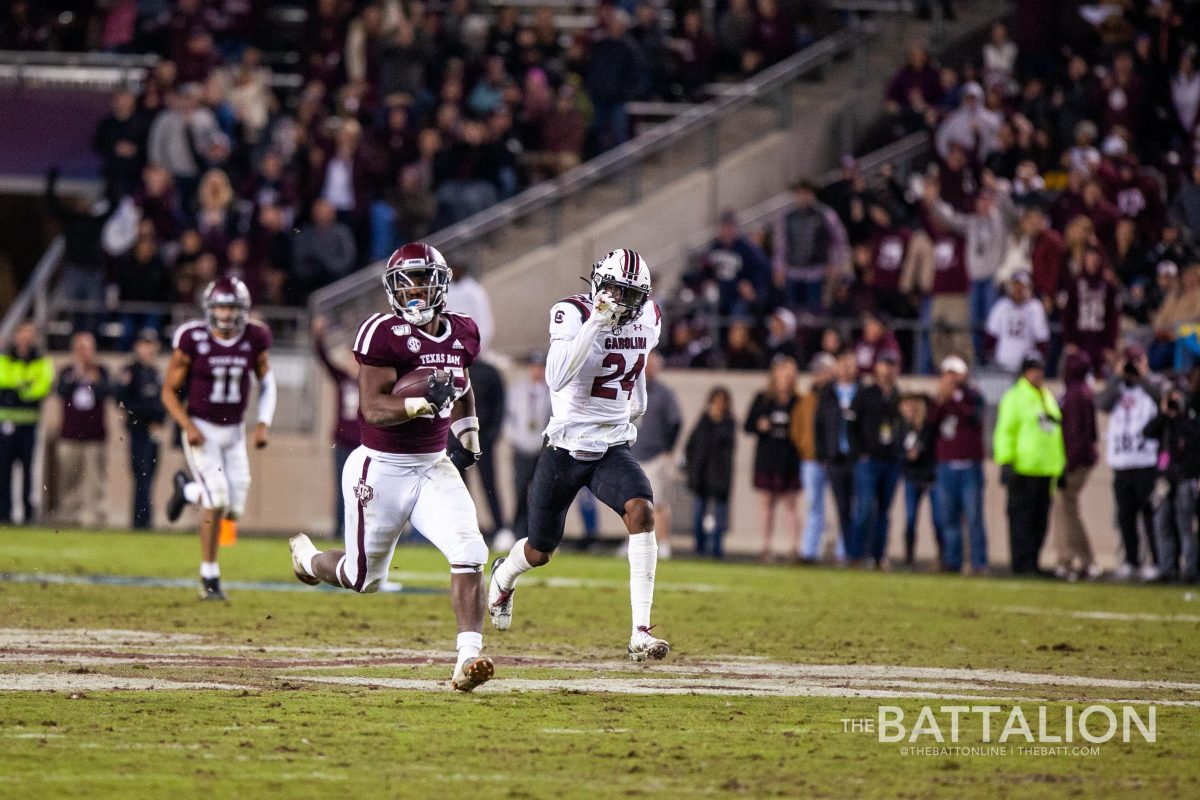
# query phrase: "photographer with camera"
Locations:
[[1177, 430], [1131, 399]]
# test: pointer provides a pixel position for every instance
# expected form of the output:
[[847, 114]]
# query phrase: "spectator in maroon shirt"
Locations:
[[957, 415], [889, 242], [159, 203], [918, 76], [875, 341], [345, 426], [83, 386], [771, 39], [1079, 438], [1048, 253], [958, 180], [694, 50], [198, 59], [1091, 314]]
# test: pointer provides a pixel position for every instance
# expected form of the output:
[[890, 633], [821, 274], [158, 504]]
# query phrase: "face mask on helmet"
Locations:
[[629, 298], [417, 293], [227, 319]]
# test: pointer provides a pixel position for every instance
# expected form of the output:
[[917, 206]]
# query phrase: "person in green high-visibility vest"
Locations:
[[26, 378]]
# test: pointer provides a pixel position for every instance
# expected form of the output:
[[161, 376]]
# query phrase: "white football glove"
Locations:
[[606, 307]]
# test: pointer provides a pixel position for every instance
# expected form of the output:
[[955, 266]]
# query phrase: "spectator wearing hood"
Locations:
[[972, 125], [1091, 314], [1074, 552]]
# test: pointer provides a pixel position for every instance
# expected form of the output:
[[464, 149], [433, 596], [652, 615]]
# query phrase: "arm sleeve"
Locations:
[[952, 219], [570, 342], [639, 398], [267, 397]]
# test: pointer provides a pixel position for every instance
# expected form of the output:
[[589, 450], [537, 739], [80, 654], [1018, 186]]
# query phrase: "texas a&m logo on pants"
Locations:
[[363, 492]]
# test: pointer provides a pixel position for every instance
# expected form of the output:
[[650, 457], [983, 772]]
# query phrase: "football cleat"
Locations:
[[472, 673], [210, 589], [500, 601], [178, 498], [642, 646], [301, 542]]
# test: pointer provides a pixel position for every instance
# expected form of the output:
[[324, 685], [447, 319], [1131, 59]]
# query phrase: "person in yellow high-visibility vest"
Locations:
[[1028, 448], [26, 378]]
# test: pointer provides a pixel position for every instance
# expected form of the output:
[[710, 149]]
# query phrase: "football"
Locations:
[[416, 383]]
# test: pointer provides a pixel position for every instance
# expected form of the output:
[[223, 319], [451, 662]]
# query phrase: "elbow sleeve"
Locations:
[[267, 397]]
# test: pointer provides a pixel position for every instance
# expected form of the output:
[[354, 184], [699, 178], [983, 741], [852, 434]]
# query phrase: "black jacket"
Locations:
[[81, 231], [1179, 437], [875, 429], [140, 393], [710, 457], [827, 426], [919, 470]]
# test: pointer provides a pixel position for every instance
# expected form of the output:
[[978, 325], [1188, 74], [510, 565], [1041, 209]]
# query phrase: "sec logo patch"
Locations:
[[414, 345]]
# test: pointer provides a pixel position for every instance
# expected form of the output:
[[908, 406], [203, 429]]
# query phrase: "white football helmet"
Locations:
[[625, 276]]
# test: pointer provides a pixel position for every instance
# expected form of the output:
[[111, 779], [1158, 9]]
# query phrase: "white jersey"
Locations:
[[592, 391], [1127, 447], [1018, 330]]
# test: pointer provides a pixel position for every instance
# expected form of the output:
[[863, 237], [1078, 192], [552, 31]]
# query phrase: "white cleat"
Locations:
[[299, 543], [473, 673], [643, 646], [500, 601]]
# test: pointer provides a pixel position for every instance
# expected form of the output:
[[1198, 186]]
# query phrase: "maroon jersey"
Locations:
[[218, 382], [386, 340], [887, 256], [949, 265]]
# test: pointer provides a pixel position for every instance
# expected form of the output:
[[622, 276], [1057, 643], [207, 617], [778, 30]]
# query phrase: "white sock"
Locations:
[[469, 645], [643, 558], [191, 492], [210, 569], [514, 566]]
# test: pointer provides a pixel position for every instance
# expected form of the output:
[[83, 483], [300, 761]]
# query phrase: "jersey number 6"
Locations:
[[600, 387]]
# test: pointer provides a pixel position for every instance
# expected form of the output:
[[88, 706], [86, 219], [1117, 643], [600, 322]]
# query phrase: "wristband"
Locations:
[[417, 407]]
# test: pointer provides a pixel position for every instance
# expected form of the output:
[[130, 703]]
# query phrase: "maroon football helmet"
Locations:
[[416, 278], [226, 293]]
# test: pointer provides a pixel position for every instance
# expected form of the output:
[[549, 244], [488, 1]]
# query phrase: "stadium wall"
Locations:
[[293, 481]]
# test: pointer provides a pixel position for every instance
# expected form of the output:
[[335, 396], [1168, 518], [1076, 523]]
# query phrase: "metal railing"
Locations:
[[33, 299], [700, 137]]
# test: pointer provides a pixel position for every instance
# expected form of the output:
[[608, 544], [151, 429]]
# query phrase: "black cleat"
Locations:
[[178, 499], [210, 589]]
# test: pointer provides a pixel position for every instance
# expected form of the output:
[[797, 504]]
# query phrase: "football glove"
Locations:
[[440, 393], [606, 307]]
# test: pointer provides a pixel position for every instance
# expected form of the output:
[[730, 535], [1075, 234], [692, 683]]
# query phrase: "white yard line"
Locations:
[[1116, 616], [71, 682]]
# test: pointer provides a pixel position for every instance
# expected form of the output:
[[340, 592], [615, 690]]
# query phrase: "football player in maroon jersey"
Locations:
[[402, 472], [211, 367]]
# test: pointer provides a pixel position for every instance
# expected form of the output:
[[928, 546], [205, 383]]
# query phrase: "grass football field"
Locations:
[[116, 682]]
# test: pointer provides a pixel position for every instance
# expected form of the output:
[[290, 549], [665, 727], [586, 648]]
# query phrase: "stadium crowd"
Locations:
[[409, 116], [1065, 174]]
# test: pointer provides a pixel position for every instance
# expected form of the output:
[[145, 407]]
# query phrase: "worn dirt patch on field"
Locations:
[[89, 653]]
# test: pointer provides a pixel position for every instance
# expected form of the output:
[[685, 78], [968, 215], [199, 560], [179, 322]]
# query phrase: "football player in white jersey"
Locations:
[[599, 343]]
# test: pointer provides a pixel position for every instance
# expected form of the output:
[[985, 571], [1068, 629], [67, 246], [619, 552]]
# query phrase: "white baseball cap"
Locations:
[[954, 364]]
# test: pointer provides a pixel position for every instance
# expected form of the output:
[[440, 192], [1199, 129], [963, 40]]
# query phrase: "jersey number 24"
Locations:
[[616, 361]]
